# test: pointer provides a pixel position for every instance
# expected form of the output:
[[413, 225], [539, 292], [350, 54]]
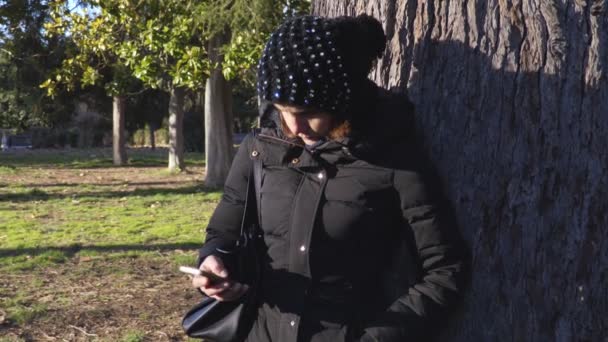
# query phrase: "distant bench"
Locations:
[[16, 141]]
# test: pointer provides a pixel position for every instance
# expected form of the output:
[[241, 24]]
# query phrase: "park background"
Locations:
[[131, 108]]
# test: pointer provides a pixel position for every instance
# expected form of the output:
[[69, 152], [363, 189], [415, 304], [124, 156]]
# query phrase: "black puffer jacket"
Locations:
[[356, 245]]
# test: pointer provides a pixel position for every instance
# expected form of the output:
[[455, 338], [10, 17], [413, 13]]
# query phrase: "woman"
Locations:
[[356, 246]]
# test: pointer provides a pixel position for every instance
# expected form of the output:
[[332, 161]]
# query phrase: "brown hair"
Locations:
[[341, 130]]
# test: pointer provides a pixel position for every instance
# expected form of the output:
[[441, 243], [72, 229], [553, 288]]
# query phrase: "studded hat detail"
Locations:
[[319, 62]]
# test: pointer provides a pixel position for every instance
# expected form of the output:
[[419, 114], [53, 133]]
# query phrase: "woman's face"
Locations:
[[308, 124]]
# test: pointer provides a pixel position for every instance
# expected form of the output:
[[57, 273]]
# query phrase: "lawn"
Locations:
[[89, 251]]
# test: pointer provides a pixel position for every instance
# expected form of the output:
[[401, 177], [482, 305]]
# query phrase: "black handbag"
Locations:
[[230, 321]]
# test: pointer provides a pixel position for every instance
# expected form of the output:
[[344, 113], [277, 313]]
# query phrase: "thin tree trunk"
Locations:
[[512, 106], [219, 149], [118, 122], [151, 130], [176, 131]]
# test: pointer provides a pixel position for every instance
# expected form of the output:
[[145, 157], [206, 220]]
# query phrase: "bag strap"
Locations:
[[257, 177], [251, 213]]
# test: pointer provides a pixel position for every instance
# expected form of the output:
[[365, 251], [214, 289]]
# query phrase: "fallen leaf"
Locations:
[[46, 299]]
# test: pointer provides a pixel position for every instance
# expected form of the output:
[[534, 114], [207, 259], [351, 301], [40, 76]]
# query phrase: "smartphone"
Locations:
[[195, 271]]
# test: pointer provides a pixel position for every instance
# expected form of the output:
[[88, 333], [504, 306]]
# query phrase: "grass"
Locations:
[[80, 238], [11, 339], [133, 336], [57, 205], [21, 310], [88, 158], [7, 169]]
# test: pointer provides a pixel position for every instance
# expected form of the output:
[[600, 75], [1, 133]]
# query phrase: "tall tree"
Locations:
[[511, 100], [155, 42], [93, 61], [218, 119], [166, 51]]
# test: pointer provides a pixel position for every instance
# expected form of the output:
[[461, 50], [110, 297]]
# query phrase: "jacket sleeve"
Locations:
[[441, 253], [224, 226]]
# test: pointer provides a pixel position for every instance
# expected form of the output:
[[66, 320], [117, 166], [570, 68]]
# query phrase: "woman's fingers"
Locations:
[[200, 281], [220, 290], [216, 289], [233, 292], [214, 265]]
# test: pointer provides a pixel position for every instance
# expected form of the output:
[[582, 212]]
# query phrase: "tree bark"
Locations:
[[512, 102], [119, 150], [176, 130], [151, 130], [219, 149]]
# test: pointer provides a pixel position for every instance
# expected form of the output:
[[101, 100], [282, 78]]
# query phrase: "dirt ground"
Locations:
[[131, 299], [127, 178], [88, 300]]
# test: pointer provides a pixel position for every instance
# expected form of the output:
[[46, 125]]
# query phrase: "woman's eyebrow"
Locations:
[[304, 111]]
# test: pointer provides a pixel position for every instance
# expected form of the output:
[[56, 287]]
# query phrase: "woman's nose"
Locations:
[[300, 125]]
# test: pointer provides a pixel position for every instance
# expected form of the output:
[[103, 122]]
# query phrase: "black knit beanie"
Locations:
[[320, 62]]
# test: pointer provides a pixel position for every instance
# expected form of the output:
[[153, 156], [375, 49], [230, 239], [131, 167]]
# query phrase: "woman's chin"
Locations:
[[308, 141]]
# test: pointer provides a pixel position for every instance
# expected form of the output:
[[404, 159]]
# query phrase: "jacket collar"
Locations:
[[385, 119], [275, 149]]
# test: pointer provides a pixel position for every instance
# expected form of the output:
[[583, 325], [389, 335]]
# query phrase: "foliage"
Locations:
[[26, 57], [148, 107], [124, 46], [92, 60], [250, 23], [166, 49], [163, 43], [155, 42]]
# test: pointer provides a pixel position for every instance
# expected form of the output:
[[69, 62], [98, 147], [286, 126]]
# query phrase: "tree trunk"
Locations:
[[151, 130], [219, 149], [176, 130], [118, 122], [512, 106]]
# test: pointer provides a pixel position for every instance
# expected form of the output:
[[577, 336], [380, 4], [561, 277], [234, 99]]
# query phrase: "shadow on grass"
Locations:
[[92, 158], [94, 163], [41, 195], [69, 251], [116, 183]]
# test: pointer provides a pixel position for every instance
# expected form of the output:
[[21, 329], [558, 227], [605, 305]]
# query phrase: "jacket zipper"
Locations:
[[313, 151], [279, 139]]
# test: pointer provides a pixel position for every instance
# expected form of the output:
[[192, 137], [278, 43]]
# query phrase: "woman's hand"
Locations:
[[226, 290]]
